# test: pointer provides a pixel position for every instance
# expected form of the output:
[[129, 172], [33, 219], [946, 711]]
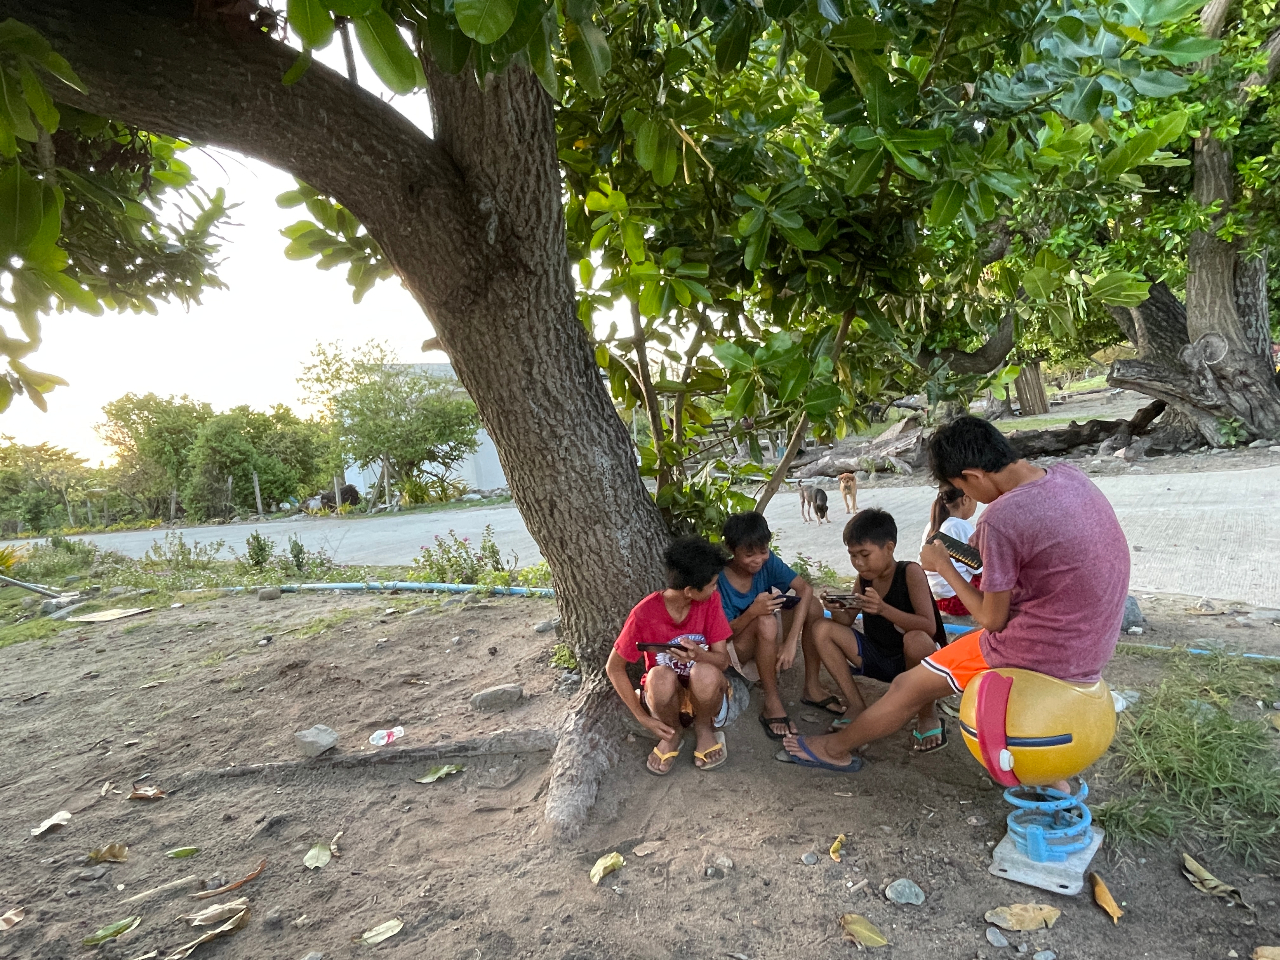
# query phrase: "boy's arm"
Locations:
[[763, 605], [801, 610], [989, 608], [616, 670], [921, 599], [717, 656]]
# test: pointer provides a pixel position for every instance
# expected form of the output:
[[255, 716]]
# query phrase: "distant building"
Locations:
[[480, 471]]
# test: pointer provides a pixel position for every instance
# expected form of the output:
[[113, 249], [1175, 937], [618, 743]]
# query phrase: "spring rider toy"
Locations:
[[1030, 730]]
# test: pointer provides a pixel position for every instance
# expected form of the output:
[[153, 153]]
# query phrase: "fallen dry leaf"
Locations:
[[111, 931], [1274, 720], [1206, 882], [333, 844], [605, 866], [1102, 897], [216, 912], [381, 932], [206, 894], [105, 787], [644, 849], [317, 856], [835, 848], [111, 853], [1023, 916], [862, 931], [11, 918], [438, 773], [142, 791], [59, 819], [1265, 953], [231, 926], [147, 956]]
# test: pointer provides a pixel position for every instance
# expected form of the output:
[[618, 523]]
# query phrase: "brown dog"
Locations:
[[813, 503], [849, 492]]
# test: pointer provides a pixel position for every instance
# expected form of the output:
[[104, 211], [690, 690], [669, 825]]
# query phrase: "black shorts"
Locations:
[[876, 664]]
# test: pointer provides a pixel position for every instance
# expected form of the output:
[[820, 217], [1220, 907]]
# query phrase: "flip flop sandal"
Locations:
[[812, 760], [702, 754], [768, 722], [824, 704], [663, 758], [939, 730], [839, 724]]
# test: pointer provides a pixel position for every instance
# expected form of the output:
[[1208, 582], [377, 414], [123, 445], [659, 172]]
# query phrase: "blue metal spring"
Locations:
[[1048, 825]]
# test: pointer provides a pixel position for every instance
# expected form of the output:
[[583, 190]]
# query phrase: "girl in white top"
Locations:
[[950, 514]]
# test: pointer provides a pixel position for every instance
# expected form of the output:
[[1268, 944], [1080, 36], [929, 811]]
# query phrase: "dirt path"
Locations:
[[463, 862]]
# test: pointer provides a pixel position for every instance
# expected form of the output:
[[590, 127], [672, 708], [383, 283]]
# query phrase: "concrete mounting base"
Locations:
[[1066, 878]]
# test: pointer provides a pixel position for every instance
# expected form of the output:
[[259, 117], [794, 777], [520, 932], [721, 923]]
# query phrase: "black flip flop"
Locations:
[[767, 723], [824, 704]]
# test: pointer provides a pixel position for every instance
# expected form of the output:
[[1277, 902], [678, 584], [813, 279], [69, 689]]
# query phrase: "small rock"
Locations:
[[215, 882], [1134, 631], [116, 591], [313, 955], [809, 859], [29, 602], [1265, 615], [1259, 444], [470, 497], [315, 741], [904, 891], [265, 640], [472, 598], [68, 580], [996, 938], [1132, 615], [93, 873], [493, 651], [497, 698], [274, 918], [1050, 955], [414, 612], [546, 626], [1022, 948], [269, 593]]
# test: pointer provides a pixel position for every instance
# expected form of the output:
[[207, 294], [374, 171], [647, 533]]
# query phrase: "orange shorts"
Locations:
[[959, 661]]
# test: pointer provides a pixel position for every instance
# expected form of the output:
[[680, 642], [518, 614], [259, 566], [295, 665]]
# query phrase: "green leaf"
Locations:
[[541, 58], [633, 240], [1082, 101], [14, 109], [650, 302], [800, 237], [646, 147], [588, 55], [111, 931], [181, 853], [58, 66], [311, 21], [299, 68], [1120, 288], [741, 396], [734, 358], [865, 172], [438, 773], [386, 50], [1184, 50], [352, 8], [318, 856], [792, 379], [1061, 324], [667, 160], [733, 45], [757, 247], [821, 400], [1039, 283], [1159, 83], [1169, 127], [819, 68], [946, 203], [21, 210], [751, 221], [485, 21], [38, 99], [449, 46]]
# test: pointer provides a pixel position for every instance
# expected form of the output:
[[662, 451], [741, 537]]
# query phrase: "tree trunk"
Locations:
[[471, 219], [1032, 399]]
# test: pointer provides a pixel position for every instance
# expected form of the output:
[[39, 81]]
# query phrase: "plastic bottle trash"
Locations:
[[381, 738]]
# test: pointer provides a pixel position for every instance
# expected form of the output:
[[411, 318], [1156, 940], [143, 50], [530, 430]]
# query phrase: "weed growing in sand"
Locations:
[[562, 657], [213, 659], [1197, 758], [29, 630], [321, 624]]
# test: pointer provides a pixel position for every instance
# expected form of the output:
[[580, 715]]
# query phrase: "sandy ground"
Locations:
[[179, 695]]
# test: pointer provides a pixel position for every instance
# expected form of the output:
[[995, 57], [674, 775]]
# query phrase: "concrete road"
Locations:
[[1214, 534]]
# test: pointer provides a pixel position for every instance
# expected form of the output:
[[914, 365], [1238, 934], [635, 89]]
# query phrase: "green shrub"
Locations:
[[817, 572], [453, 559], [53, 559], [259, 550], [174, 553], [562, 657]]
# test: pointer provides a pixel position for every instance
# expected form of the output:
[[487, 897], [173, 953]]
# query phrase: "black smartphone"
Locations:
[[659, 647], [845, 599], [789, 601]]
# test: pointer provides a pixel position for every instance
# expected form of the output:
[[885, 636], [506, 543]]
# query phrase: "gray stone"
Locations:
[[905, 891], [92, 873], [274, 918], [1259, 444], [996, 938], [70, 579], [861, 476], [116, 591], [29, 602], [497, 698], [49, 606], [269, 593], [470, 497], [66, 612], [1132, 615], [1022, 948], [809, 859], [1265, 615], [471, 598], [1045, 955], [416, 611], [315, 741], [546, 626]]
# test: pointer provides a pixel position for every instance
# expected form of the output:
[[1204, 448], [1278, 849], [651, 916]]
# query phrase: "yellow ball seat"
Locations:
[[1028, 728]]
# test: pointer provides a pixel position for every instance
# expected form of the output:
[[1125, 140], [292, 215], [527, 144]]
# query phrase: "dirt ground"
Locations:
[[181, 695]]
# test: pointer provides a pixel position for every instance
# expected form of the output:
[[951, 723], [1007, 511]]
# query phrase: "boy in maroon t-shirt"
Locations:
[[684, 683], [1054, 582]]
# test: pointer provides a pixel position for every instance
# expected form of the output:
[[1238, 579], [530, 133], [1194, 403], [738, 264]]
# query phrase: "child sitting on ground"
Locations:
[[1055, 579], [950, 514], [684, 683], [752, 585], [900, 623]]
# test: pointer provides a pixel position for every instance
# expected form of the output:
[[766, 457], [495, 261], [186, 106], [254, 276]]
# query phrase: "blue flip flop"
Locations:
[[853, 766]]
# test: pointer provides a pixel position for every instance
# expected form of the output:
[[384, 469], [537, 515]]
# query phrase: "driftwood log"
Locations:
[[1042, 443]]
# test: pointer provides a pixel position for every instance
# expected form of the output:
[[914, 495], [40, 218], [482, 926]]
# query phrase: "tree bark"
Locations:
[[1032, 399], [471, 220], [983, 360], [651, 403]]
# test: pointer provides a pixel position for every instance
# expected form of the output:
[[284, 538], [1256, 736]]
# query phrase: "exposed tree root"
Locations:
[[587, 748]]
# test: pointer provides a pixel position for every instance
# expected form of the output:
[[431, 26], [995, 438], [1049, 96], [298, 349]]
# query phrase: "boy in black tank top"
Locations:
[[901, 624]]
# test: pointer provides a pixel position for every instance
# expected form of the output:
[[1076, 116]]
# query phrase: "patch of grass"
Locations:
[[39, 629], [320, 624], [1033, 423], [562, 657], [1197, 759], [213, 659]]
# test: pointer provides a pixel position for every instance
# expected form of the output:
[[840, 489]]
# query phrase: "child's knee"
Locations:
[[705, 680], [767, 628], [661, 682]]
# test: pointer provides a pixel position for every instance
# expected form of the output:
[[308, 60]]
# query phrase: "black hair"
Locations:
[[692, 562], [940, 512], [968, 443], [871, 526], [746, 530]]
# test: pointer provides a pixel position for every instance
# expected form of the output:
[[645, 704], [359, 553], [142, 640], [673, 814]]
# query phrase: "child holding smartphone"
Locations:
[[681, 633], [901, 625]]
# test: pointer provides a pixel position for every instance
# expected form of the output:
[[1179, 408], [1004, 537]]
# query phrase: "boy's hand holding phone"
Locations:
[[934, 557], [765, 604], [871, 602]]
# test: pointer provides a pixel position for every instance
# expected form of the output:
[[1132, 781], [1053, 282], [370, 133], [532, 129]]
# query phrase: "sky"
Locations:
[[246, 344]]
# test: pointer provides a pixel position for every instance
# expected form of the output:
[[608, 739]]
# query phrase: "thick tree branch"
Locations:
[[983, 360], [1272, 48]]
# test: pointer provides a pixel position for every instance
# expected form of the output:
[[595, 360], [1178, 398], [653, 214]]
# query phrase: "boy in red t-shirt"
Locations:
[[685, 683]]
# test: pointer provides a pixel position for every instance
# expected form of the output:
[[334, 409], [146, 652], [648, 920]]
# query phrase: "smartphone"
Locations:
[[789, 601], [959, 551], [659, 647], [845, 599]]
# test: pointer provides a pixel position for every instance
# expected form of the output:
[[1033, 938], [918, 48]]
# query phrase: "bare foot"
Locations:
[[818, 746]]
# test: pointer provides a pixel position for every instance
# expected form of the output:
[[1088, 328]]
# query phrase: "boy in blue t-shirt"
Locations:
[[751, 590]]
